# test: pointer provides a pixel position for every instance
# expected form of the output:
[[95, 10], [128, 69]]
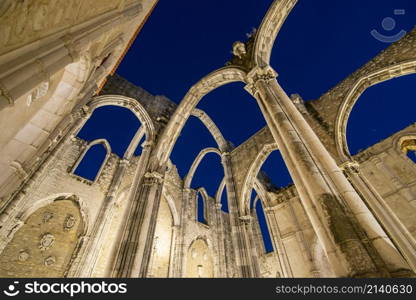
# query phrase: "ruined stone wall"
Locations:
[[393, 174]]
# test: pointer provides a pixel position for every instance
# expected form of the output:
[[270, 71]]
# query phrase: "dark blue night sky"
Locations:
[[321, 43]]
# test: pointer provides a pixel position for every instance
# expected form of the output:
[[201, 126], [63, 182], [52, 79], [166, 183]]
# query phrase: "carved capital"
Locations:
[[350, 167], [257, 74], [246, 220], [151, 178]]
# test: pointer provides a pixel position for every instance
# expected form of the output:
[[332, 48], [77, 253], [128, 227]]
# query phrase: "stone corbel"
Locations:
[[246, 220], [154, 177], [350, 167]]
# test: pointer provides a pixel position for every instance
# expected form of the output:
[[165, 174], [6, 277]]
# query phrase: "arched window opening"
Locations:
[[117, 125], [274, 173], [234, 111], [92, 162], [209, 173], [224, 200], [409, 148], [201, 209], [381, 111], [139, 147], [193, 138], [264, 228]]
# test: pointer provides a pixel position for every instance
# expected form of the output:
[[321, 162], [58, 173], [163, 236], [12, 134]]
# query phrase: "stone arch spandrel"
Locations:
[[199, 261], [46, 243]]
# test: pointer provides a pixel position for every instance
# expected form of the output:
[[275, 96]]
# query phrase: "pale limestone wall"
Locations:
[[45, 85], [162, 243], [116, 219], [393, 175], [30, 254]]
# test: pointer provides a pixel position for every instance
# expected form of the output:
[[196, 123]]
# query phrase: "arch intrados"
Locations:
[[201, 155], [194, 95], [211, 127], [269, 29], [30, 208], [251, 175], [129, 103], [172, 207], [354, 94]]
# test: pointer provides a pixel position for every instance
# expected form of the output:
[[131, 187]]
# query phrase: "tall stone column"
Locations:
[[133, 255], [244, 259], [173, 251], [337, 213], [277, 238], [220, 240], [397, 231]]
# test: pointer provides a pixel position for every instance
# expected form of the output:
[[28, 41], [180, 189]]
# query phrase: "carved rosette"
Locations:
[[47, 240], [23, 255], [47, 216], [49, 261], [69, 222]]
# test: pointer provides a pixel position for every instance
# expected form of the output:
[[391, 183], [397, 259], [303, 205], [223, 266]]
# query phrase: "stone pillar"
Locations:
[[397, 231], [138, 235], [243, 258], [278, 243], [134, 253], [220, 241], [173, 250], [337, 213]]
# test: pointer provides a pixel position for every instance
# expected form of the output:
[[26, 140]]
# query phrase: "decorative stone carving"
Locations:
[[49, 261], [47, 216], [239, 49], [38, 92], [23, 255], [69, 222], [46, 241]]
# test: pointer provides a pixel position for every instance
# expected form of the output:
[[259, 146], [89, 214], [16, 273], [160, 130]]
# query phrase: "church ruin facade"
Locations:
[[344, 216]]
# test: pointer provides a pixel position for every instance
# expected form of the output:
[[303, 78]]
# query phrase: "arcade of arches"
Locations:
[[344, 215]]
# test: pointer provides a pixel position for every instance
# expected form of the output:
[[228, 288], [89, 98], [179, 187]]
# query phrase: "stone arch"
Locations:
[[354, 93], [172, 207], [220, 190], [207, 84], [269, 29], [107, 147], [212, 128], [199, 249], [251, 176], [47, 239], [404, 143], [195, 165], [205, 199], [132, 104]]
